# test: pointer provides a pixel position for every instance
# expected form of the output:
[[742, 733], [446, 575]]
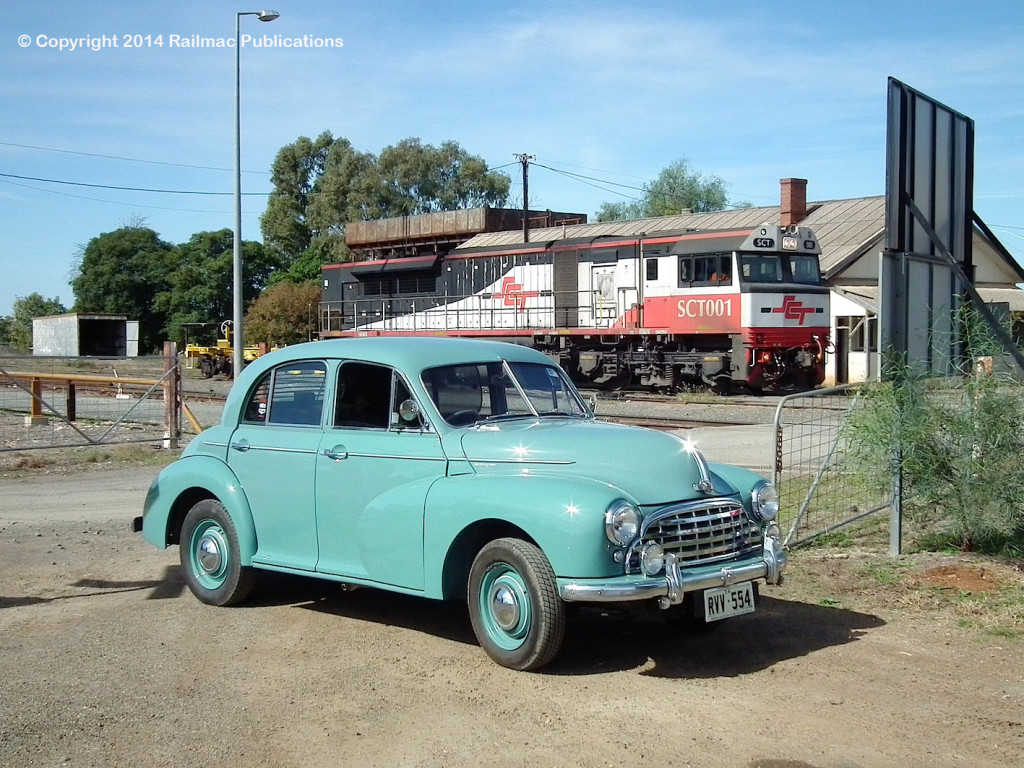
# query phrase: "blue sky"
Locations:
[[749, 91]]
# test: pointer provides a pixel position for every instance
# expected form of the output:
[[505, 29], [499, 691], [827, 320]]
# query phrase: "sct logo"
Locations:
[[793, 309], [513, 294]]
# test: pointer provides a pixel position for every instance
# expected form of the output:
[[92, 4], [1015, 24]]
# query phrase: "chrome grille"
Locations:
[[701, 532]]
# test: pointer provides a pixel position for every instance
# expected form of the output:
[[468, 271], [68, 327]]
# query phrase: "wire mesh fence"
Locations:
[[818, 493], [54, 402]]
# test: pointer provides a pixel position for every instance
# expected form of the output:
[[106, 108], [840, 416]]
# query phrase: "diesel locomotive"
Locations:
[[740, 308]]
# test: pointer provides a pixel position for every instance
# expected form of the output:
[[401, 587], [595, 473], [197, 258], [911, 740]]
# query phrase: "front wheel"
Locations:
[[517, 615], [211, 558]]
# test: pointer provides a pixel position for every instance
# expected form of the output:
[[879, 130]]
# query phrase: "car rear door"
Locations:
[[273, 453]]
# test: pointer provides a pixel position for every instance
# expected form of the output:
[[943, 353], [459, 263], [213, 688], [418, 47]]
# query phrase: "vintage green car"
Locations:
[[458, 469]]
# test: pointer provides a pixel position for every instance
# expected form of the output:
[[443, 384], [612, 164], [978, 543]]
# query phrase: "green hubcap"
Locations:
[[505, 608], [209, 554]]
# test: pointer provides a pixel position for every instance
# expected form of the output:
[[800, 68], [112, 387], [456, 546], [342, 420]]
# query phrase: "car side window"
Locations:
[[403, 393], [290, 394], [364, 396], [297, 393], [256, 406]]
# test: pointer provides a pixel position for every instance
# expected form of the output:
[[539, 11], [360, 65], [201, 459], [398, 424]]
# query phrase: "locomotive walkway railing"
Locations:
[[511, 310]]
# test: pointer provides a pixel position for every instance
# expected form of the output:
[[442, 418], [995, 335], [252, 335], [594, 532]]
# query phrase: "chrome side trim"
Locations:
[[274, 449], [551, 462], [391, 456]]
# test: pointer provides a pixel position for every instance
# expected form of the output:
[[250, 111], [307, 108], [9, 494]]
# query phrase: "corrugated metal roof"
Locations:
[[845, 228], [716, 220]]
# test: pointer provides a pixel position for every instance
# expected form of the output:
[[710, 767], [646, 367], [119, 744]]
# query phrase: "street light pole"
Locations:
[[237, 341]]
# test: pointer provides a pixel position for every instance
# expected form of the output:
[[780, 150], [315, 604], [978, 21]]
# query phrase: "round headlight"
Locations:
[[621, 523], [765, 500], [652, 559]]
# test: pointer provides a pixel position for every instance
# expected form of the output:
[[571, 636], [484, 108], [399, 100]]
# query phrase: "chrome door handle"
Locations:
[[241, 445], [337, 453]]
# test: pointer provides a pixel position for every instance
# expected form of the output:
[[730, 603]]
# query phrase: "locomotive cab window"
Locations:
[[709, 269], [805, 269], [761, 268]]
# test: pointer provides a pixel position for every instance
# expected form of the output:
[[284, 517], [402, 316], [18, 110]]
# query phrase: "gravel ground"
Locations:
[[107, 660]]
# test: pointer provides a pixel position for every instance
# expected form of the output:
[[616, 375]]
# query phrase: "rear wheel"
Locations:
[[517, 615], [211, 558]]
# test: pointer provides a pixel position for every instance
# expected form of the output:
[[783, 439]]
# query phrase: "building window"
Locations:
[[863, 333]]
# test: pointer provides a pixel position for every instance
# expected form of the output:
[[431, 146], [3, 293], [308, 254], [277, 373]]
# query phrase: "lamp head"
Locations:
[[267, 15]]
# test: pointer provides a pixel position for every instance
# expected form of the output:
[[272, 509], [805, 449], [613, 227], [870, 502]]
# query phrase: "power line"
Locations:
[[589, 182], [111, 202], [126, 159], [123, 189]]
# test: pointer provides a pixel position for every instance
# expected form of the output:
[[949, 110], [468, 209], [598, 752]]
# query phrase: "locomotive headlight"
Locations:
[[790, 243], [765, 501], [621, 523]]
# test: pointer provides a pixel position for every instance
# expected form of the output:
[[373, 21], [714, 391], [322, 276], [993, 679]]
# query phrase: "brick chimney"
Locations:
[[794, 201]]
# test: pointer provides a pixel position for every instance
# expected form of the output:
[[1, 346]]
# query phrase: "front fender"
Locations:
[[189, 480], [563, 516], [742, 480]]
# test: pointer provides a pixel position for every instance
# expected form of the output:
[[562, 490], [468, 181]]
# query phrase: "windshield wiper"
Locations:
[[506, 416]]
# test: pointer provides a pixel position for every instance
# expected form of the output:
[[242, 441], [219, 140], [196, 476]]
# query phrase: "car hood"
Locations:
[[653, 467]]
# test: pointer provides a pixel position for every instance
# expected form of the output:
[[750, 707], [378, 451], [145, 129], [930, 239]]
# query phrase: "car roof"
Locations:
[[406, 352]]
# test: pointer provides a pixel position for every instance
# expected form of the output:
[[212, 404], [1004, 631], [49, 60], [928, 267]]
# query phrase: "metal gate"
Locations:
[[59, 402], [817, 493]]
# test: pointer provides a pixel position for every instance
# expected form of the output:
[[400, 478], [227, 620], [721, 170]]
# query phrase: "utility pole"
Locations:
[[525, 160]]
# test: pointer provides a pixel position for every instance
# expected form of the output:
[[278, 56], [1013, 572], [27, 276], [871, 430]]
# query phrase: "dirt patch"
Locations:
[[107, 660], [963, 578]]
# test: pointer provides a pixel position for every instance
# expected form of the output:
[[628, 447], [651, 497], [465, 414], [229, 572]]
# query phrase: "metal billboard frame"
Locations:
[[927, 267]]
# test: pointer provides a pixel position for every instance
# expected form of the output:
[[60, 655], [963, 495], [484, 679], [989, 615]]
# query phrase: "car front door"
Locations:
[[273, 454], [374, 469]]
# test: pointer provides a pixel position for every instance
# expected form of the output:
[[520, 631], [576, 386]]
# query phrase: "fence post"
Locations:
[[72, 412], [896, 509], [36, 415], [172, 395]]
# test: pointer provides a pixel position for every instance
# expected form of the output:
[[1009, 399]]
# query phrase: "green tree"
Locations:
[[679, 188], [199, 285], [320, 185], [5, 330], [26, 308], [297, 167], [285, 313], [122, 272]]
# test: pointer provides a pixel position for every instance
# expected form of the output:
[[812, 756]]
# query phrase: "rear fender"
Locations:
[[184, 483]]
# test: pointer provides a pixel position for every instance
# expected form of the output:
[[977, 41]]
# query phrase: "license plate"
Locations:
[[724, 602]]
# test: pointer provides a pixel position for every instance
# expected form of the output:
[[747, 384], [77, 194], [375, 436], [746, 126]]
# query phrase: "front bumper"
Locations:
[[677, 581]]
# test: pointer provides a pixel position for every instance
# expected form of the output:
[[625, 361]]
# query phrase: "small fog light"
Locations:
[[652, 559]]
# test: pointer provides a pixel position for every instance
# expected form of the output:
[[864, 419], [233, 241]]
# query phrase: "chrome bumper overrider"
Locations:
[[676, 581]]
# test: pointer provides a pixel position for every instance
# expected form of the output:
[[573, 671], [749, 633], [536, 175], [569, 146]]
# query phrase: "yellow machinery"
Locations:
[[217, 359]]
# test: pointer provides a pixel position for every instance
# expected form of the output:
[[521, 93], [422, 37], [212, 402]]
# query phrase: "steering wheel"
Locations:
[[463, 417]]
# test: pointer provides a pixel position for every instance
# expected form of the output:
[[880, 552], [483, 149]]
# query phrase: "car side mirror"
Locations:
[[592, 402], [409, 411]]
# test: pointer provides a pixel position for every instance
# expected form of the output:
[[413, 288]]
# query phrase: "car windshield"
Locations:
[[468, 393]]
